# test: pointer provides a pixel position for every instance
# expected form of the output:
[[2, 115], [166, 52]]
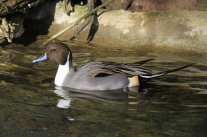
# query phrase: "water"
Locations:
[[174, 105]]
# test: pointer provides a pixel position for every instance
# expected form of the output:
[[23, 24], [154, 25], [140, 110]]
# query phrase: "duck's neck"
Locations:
[[62, 72]]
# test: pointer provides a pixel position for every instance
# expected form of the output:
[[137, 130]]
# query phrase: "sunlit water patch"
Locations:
[[172, 105]]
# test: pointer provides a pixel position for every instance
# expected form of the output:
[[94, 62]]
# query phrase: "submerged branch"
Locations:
[[88, 22]]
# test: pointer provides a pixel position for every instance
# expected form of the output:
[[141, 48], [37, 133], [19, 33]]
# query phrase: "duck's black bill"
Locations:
[[42, 58]]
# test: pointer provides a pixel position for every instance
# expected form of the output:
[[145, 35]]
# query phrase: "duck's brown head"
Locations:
[[57, 51]]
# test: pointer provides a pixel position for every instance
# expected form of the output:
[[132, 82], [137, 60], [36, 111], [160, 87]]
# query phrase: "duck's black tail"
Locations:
[[147, 77]]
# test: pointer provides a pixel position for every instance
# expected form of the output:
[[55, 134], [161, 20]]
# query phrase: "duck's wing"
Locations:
[[98, 69], [92, 69]]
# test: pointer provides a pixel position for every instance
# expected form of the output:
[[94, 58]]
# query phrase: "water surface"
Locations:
[[172, 105]]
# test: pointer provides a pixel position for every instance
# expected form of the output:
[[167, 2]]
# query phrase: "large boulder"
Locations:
[[155, 5]]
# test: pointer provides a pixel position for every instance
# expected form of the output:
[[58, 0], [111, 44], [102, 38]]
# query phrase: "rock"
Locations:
[[12, 27], [143, 5], [177, 29], [155, 5], [118, 4], [12, 13], [9, 7]]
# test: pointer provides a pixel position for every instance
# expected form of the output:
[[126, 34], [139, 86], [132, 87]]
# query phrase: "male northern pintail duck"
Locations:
[[97, 75]]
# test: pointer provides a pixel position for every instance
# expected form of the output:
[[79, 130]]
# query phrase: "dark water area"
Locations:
[[173, 105]]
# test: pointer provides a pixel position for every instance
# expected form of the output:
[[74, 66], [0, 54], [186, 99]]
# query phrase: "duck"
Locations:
[[97, 75]]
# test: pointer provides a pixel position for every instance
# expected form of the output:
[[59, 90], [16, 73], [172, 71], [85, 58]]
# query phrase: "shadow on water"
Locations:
[[37, 22], [172, 105], [113, 97]]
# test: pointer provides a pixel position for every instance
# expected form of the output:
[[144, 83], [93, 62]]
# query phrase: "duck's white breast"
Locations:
[[61, 75]]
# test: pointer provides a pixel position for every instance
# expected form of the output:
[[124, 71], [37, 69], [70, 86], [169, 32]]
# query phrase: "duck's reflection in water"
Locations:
[[65, 100], [126, 96]]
